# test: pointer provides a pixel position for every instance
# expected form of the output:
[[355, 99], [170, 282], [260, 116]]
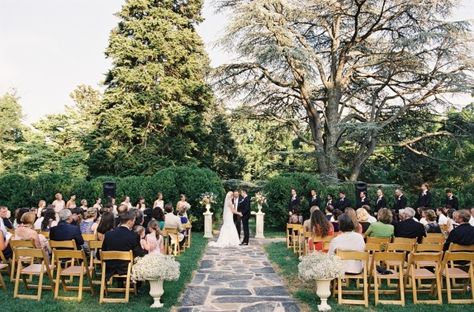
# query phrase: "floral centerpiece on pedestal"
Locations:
[[322, 268], [156, 268], [207, 199], [260, 199]]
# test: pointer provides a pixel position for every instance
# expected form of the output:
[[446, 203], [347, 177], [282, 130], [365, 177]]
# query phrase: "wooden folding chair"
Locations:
[[173, 244], [89, 237], [306, 236], [19, 244], [433, 238], [357, 256], [95, 246], [117, 256], [417, 273], [378, 240], [4, 266], [405, 248], [378, 259], [404, 240], [297, 237], [73, 270], [37, 269], [63, 245], [428, 247], [289, 235], [452, 271], [188, 228], [326, 240], [45, 234]]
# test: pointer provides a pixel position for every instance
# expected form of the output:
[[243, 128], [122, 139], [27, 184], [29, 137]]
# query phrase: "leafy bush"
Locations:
[[15, 190]]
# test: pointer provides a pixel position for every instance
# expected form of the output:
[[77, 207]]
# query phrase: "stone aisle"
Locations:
[[237, 279]]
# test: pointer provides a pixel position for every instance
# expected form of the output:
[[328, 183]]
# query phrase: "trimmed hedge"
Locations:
[[22, 191]]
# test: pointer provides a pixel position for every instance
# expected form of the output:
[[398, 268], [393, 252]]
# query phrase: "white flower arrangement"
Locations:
[[259, 198], [154, 267], [207, 199], [320, 266]]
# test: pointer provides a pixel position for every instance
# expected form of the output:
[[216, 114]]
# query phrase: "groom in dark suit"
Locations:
[[244, 208], [236, 199]]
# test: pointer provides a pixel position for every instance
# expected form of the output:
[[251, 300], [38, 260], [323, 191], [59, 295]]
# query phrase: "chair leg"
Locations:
[[56, 286], [448, 287], [40, 285], [127, 288], [376, 289], [81, 285], [2, 282], [402, 289], [102, 285], [366, 292], [339, 290]]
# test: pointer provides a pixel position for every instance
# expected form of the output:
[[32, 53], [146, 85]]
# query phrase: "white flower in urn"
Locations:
[[322, 268], [207, 199], [260, 199], [156, 268]]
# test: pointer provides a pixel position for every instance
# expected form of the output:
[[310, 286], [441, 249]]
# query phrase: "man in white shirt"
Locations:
[[172, 221]]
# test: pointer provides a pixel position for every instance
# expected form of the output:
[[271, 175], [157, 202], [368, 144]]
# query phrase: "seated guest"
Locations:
[[159, 216], [4, 246], [140, 230], [348, 240], [5, 222], [442, 213], [120, 209], [46, 221], [463, 234], [383, 227], [106, 224], [25, 231], [182, 215], [122, 239], [451, 223], [139, 218], [329, 210], [320, 227], [154, 240], [65, 230], [471, 220], [431, 224], [307, 223], [334, 221], [18, 214], [173, 221], [363, 219], [89, 224], [351, 213], [370, 219], [295, 217], [409, 227]]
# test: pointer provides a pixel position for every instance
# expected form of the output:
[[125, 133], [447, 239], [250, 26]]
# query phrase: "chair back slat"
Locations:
[[406, 247], [116, 255], [428, 247], [69, 254], [69, 244], [353, 255], [404, 240], [379, 240], [22, 243], [457, 247]]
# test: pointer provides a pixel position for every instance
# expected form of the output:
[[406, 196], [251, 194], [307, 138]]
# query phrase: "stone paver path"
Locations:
[[237, 279]]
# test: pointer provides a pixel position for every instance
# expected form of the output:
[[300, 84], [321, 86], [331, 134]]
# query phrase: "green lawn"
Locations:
[[287, 264], [189, 262]]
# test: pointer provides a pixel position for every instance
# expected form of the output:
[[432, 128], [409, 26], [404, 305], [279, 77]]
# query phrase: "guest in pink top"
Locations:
[[25, 231], [154, 240]]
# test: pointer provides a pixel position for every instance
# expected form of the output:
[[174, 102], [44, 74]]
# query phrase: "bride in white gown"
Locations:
[[228, 236]]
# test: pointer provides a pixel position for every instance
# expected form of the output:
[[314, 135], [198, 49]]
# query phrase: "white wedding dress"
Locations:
[[228, 236]]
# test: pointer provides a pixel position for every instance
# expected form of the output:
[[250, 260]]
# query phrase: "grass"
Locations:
[[141, 302], [287, 265]]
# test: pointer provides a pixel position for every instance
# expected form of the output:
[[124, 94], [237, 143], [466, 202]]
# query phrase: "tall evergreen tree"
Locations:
[[156, 96]]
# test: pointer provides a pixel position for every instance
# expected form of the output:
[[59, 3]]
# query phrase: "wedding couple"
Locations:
[[236, 211]]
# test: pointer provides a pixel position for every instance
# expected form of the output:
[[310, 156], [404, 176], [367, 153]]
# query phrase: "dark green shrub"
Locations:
[[46, 185], [15, 191]]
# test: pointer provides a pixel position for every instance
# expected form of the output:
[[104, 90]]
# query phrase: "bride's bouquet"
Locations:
[[207, 199]]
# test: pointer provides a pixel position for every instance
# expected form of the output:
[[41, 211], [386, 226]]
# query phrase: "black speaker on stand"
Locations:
[[109, 189]]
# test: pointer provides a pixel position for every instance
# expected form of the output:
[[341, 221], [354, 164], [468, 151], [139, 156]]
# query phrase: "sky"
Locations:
[[48, 47]]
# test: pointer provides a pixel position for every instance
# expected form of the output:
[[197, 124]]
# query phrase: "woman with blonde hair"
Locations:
[[71, 203], [89, 224], [363, 219], [25, 231], [351, 213], [41, 206]]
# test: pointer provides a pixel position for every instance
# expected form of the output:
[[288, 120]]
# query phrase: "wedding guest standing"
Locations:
[[294, 201], [183, 205], [141, 203], [330, 200], [84, 205], [315, 200], [41, 206], [400, 201], [343, 202], [381, 202], [58, 203], [98, 204], [126, 202], [159, 202], [451, 200], [424, 199], [71, 203], [363, 200]]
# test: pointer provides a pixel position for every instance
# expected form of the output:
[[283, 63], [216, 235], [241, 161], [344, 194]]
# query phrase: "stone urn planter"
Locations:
[[156, 291], [323, 290]]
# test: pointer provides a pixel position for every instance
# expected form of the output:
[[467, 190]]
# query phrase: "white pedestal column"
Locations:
[[260, 222], [208, 224]]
